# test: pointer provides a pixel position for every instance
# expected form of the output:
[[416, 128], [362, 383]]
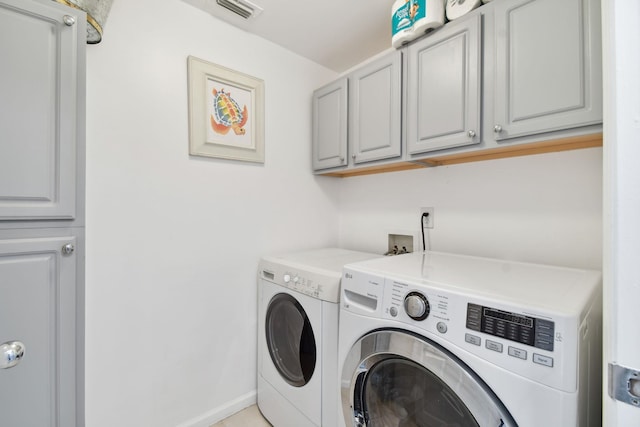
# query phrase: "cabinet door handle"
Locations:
[[68, 249], [471, 134], [497, 128], [11, 353], [69, 20]]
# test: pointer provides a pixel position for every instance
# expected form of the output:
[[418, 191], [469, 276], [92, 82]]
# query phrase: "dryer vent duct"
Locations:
[[242, 8]]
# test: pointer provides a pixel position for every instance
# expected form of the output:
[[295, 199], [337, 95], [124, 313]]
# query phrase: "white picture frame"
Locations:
[[226, 112]]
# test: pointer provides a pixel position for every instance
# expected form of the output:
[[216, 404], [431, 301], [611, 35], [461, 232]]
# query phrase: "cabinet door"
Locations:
[[444, 83], [38, 96], [548, 66], [329, 141], [375, 103], [38, 309]]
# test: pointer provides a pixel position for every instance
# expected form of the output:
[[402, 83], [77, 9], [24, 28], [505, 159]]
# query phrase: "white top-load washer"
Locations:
[[435, 339], [298, 296]]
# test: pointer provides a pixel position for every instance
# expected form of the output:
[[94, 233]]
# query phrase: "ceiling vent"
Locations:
[[243, 8]]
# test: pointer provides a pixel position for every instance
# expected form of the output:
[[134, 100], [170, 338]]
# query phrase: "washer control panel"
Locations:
[[528, 330], [532, 344], [538, 322], [423, 307], [309, 283], [316, 273]]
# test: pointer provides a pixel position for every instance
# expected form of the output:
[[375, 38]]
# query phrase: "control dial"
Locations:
[[417, 306]]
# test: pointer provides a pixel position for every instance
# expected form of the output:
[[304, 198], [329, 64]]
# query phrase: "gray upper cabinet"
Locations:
[[38, 91], [512, 77], [444, 86], [330, 125], [548, 66], [358, 118], [375, 96]]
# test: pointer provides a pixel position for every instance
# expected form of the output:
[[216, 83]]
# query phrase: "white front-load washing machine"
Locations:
[[298, 309], [433, 339]]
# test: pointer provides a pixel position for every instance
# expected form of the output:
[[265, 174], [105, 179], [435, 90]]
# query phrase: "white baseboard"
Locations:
[[221, 412]]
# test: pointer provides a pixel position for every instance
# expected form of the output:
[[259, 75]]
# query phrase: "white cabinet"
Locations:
[[444, 86], [42, 99], [357, 119], [548, 73]]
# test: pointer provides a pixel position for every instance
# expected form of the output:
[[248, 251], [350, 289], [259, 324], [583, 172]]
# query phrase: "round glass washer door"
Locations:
[[290, 340], [395, 378]]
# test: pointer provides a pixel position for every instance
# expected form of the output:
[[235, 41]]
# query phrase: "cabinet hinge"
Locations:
[[624, 384]]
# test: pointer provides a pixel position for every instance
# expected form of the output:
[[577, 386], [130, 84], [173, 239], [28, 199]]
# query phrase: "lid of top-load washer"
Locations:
[[554, 288]]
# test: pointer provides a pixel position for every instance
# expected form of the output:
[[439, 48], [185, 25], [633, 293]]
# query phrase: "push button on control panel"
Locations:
[[543, 360], [492, 345], [544, 334], [472, 339], [474, 317], [517, 352]]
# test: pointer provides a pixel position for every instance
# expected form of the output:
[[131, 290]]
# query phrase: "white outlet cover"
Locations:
[[429, 219]]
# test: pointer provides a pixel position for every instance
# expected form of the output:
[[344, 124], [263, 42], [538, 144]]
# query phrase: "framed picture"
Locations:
[[226, 113]]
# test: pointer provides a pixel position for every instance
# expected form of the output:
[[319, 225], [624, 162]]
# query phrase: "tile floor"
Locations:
[[249, 417]]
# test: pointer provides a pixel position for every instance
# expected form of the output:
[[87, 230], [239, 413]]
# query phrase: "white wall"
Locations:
[[545, 208], [173, 241], [621, 36]]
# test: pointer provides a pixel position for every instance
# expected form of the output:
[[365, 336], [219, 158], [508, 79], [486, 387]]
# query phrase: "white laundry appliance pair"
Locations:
[[298, 308], [432, 340]]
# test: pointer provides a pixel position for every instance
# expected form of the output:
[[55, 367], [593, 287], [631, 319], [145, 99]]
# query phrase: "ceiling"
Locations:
[[337, 34]]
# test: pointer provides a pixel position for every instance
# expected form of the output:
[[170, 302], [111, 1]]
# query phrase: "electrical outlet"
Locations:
[[427, 220]]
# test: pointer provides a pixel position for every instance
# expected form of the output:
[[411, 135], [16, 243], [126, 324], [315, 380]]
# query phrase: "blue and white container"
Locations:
[[401, 25], [412, 18]]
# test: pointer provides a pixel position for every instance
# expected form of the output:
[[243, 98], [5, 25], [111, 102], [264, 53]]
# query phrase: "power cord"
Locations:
[[424, 215]]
